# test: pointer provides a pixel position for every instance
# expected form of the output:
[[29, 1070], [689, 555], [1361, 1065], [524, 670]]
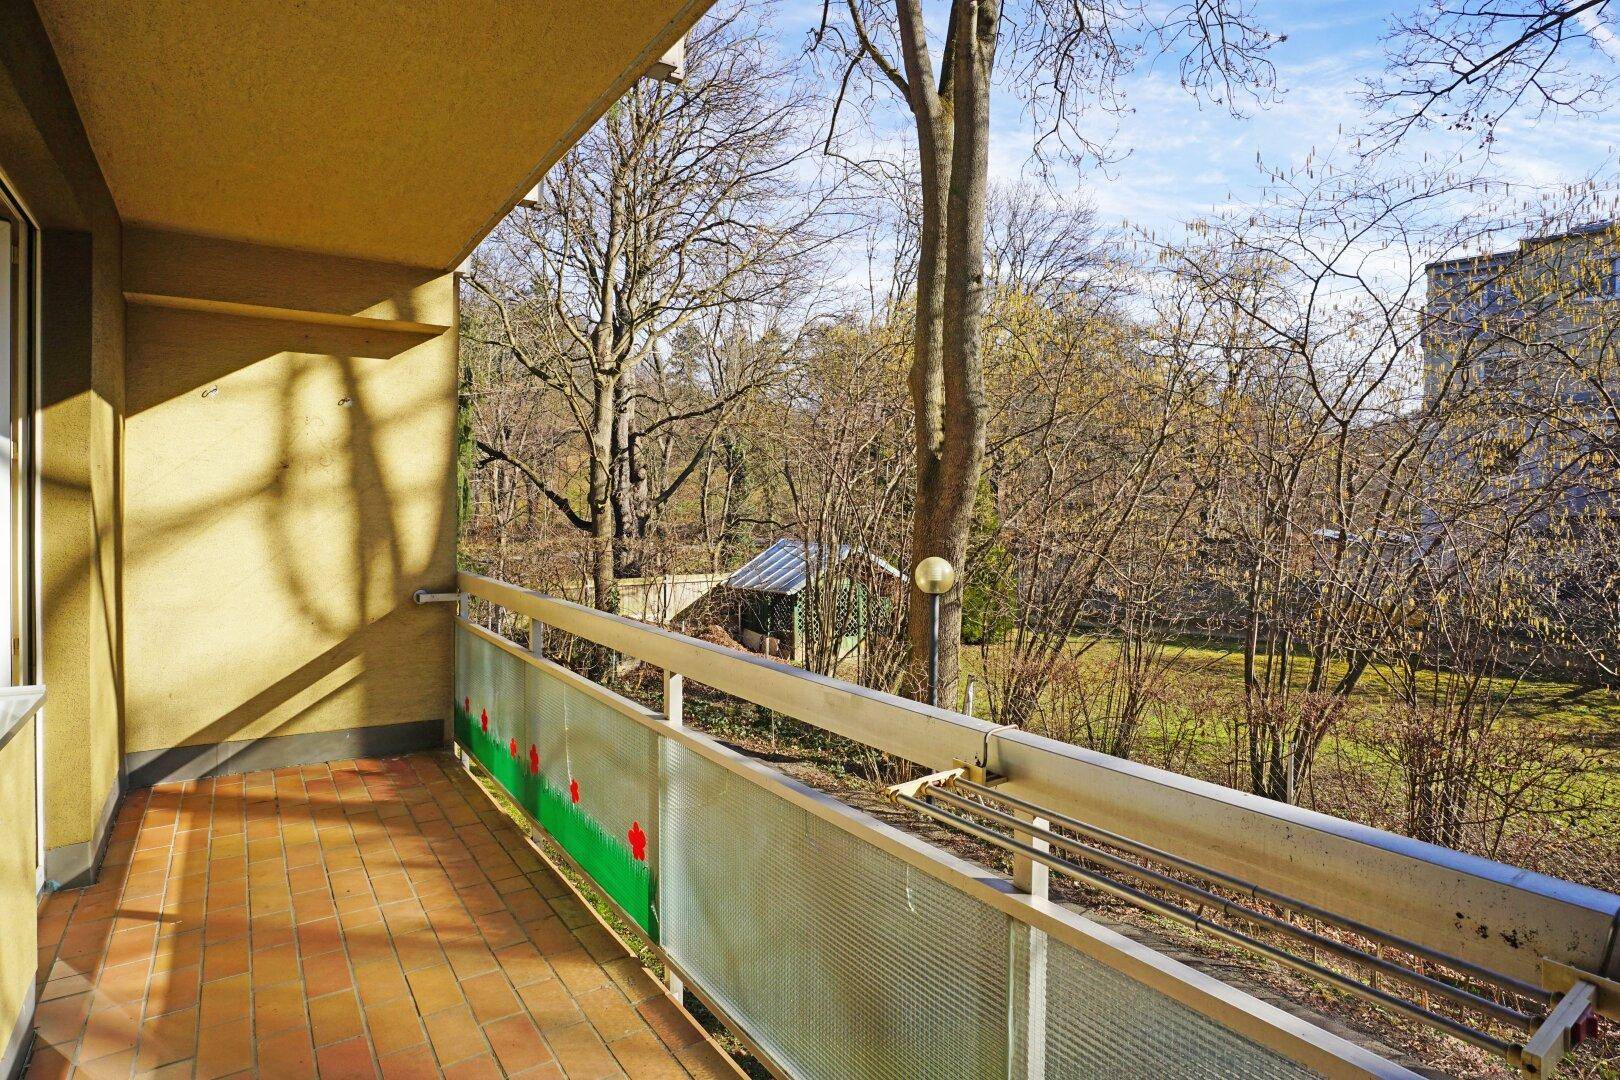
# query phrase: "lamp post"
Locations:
[[935, 577]]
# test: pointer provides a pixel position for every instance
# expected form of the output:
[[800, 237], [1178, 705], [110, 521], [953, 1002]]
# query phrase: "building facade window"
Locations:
[[1602, 277]]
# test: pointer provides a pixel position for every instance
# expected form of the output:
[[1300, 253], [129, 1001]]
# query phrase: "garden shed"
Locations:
[[773, 594]]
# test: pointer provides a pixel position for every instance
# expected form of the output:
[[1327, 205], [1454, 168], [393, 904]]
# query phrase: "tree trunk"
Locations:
[[629, 489], [605, 593], [953, 128]]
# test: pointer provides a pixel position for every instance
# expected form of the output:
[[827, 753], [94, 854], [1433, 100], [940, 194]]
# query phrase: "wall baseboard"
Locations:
[[73, 866], [15, 1049], [144, 768]]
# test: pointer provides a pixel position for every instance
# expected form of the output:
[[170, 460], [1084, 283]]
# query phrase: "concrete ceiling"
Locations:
[[377, 129]]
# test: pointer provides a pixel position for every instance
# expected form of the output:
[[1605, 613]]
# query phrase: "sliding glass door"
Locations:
[[10, 339], [19, 699], [16, 430]]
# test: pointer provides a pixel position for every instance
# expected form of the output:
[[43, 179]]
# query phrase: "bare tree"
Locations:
[[1312, 315], [844, 474], [682, 224], [1064, 58], [1467, 64]]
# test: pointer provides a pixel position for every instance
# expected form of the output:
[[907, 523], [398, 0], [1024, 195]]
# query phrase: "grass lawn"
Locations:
[[1206, 678], [1586, 711]]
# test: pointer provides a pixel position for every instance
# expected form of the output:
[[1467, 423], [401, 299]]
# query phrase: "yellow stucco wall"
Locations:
[[289, 483], [18, 929], [78, 439]]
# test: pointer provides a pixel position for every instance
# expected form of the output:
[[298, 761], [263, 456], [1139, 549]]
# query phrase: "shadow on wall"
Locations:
[[288, 485]]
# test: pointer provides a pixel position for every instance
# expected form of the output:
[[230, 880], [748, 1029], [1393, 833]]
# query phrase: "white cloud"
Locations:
[[1592, 22]]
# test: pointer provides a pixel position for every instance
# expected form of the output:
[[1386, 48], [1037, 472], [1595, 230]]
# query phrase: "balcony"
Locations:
[[411, 916], [282, 814], [228, 345], [360, 918]]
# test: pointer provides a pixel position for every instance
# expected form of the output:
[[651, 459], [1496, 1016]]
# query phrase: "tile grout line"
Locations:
[[574, 891], [461, 853]]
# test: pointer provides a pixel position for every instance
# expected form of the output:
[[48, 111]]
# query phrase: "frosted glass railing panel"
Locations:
[[1102, 1023], [839, 959]]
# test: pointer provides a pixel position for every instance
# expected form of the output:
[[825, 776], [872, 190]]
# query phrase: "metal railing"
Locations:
[[839, 946]]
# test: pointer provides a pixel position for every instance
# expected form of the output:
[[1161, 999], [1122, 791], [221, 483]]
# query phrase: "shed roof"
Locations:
[[784, 567]]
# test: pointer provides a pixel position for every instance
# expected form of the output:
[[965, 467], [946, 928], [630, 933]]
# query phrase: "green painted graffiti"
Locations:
[[612, 861]]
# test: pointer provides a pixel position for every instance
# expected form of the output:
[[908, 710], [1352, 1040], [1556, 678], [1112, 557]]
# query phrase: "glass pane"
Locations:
[[1102, 1023], [839, 959], [8, 327], [835, 957]]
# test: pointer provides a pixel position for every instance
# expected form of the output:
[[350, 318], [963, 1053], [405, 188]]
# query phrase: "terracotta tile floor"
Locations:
[[358, 919]]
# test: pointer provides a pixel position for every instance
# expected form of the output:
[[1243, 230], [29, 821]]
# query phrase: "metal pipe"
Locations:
[[423, 596], [933, 653], [1510, 1051], [1147, 851], [1504, 1013]]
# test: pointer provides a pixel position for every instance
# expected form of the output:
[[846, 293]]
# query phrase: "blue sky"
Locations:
[[1183, 160]]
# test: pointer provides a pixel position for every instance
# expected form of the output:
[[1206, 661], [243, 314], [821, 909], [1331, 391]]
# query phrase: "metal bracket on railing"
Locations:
[[422, 596], [976, 772], [1572, 1021], [911, 788], [1573, 1018], [979, 771], [1560, 978]]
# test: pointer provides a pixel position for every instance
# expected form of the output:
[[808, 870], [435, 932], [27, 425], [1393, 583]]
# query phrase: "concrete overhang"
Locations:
[[374, 129]]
